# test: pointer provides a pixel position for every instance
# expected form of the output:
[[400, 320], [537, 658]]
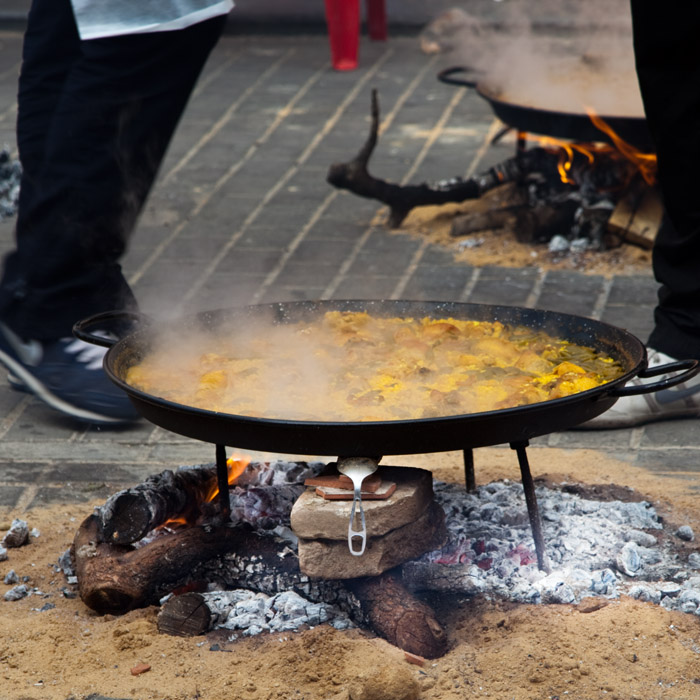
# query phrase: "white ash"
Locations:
[[248, 613], [594, 548], [265, 493], [17, 535]]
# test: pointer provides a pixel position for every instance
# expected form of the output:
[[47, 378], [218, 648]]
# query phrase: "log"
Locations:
[[399, 617], [355, 177], [185, 615], [129, 515], [118, 578], [638, 215]]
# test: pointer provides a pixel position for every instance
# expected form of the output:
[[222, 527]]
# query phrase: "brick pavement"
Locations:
[[242, 214]]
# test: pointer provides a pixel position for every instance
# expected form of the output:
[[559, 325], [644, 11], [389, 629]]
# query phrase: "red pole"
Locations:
[[376, 19], [343, 20]]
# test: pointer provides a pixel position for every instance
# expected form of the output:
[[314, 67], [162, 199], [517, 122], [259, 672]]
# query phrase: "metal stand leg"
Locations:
[[469, 478], [222, 482], [532, 509]]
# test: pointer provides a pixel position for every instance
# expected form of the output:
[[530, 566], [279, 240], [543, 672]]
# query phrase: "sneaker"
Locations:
[[680, 401], [67, 375]]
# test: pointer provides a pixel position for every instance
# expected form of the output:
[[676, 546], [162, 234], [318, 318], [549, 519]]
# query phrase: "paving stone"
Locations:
[[9, 495]]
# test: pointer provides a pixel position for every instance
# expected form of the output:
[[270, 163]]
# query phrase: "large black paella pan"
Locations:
[[386, 437]]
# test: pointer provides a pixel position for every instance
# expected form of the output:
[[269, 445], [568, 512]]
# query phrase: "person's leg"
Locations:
[[667, 54], [117, 111], [95, 119]]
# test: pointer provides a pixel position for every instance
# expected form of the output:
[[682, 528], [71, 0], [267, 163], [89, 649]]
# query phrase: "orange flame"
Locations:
[[236, 466], [645, 162], [567, 151]]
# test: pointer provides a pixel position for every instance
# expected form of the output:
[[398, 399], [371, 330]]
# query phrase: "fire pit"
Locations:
[[515, 426]]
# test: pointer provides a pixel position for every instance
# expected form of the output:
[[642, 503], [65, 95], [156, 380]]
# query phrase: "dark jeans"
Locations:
[[667, 51], [95, 119]]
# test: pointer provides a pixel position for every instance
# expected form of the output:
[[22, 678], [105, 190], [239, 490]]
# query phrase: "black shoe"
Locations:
[[67, 375]]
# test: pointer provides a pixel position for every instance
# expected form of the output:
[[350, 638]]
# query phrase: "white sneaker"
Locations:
[[680, 401]]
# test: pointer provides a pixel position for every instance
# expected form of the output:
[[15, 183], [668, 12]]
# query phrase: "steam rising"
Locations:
[[570, 57]]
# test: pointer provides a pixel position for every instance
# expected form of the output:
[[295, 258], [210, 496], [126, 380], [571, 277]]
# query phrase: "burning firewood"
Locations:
[[561, 187], [115, 578], [127, 516], [355, 177]]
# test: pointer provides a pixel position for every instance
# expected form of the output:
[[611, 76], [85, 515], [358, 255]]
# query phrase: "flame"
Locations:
[[236, 465], [567, 150], [645, 162]]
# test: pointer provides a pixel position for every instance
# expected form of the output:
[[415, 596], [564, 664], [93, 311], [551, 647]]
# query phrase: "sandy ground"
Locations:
[[500, 247], [601, 649]]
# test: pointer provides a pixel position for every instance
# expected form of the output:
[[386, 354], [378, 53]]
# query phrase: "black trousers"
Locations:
[[667, 52], [94, 121]]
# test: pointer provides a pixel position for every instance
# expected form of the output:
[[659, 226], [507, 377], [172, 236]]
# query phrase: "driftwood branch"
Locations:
[[355, 177]]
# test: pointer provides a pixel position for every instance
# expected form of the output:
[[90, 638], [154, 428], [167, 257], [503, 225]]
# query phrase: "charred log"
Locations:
[[355, 177], [127, 516]]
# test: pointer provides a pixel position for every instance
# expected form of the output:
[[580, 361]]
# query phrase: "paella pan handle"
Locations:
[[687, 369], [113, 321], [447, 76]]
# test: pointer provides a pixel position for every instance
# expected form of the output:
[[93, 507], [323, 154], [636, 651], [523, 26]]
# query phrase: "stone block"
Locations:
[[314, 517], [331, 559]]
